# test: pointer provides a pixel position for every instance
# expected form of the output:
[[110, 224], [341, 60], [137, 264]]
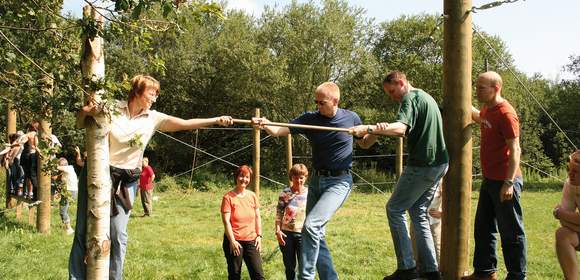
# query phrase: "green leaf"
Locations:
[[167, 9], [137, 11]]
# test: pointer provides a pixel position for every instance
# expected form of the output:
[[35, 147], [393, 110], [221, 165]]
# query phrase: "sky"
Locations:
[[541, 35]]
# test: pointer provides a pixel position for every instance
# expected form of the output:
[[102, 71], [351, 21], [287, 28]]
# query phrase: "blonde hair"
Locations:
[[330, 89], [298, 169], [141, 82]]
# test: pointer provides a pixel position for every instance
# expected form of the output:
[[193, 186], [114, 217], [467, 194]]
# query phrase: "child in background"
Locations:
[[290, 216], [435, 214], [146, 187], [68, 190]]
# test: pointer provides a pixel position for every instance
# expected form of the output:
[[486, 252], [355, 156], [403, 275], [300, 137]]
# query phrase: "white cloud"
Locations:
[[249, 6]]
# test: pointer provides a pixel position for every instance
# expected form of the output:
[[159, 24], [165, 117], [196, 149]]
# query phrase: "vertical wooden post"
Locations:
[[97, 164], [18, 210], [399, 161], [256, 178], [457, 63], [10, 129], [32, 215], [44, 136], [289, 152], [194, 158]]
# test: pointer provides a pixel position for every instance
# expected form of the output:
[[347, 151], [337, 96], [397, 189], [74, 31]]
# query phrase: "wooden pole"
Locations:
[[256, 178], [44, 136], [399, 161], [457, 63], [304, 126], [97, 164], [10, 129], [289, 153], [194, 158]]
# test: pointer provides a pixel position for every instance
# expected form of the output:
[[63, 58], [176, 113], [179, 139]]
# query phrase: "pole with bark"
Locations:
[[256, 133], [46, 86], [97, 164], [457, 63], [10, 129]]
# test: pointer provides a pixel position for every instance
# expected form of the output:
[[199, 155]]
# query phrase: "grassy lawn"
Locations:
[[182, 240]]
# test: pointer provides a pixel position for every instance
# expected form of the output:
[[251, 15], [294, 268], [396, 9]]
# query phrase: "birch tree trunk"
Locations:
[[45, 131], [10, 128], [97, 146]]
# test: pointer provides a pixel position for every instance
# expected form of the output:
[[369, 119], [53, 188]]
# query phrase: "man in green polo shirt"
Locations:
[[420, 121]]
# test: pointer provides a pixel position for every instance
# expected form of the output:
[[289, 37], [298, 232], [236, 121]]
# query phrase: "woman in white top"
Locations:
[[132, 126]]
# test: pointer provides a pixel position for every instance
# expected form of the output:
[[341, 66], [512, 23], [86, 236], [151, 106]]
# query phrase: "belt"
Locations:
[[331, 173]]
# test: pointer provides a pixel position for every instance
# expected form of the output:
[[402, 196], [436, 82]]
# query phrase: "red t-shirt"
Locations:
[[498, 124], [145, 182], [242, 214]]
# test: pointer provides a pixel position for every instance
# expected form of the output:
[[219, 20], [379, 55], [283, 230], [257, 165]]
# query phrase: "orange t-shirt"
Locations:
[[243, 214], [498, 124]]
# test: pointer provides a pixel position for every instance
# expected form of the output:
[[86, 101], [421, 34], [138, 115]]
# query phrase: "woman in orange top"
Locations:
[[243, 227]]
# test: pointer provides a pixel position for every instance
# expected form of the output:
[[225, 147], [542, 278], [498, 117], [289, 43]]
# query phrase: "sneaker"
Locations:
[[477, 276], [433, 275], [70, 231], [403, 274]]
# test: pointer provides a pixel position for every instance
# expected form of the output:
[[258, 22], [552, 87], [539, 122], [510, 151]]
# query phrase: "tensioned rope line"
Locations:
[[38, 66], [491, 5], [216, 157], [367, 182], [542, 171], [476, 29], [367, 156], [357, 175], [23, 54]]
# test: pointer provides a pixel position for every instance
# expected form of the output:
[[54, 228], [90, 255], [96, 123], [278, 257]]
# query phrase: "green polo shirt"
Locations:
[[424, 133]]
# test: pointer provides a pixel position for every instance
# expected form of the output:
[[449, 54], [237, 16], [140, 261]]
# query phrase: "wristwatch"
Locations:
[[369, 129], [556, 212], [508, 182]]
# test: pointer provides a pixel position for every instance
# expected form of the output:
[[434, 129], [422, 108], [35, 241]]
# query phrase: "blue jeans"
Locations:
[[414, 192], [325, 196], [492, 215], [118, 235]]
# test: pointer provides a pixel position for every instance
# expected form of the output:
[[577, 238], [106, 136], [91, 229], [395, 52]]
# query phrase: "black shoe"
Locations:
[[403, 274], [433, 275]]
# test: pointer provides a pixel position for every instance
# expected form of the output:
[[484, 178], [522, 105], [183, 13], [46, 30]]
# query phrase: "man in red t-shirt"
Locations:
[[499, 205], [146, 187]]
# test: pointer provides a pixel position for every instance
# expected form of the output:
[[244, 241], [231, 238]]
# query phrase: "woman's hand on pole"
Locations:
[[225, 121]]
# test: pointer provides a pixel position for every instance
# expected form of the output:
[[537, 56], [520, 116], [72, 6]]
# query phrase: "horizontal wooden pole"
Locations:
[[303, 126]]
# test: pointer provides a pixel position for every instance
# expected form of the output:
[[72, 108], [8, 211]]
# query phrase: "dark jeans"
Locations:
[[249, 255], [291, 252], [492, 215], [30, 163]]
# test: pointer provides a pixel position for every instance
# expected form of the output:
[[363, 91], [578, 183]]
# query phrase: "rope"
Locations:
[[367, 182], [491, 5], [522, 84], [236, 151], [367, 156], [543, 172], [215, 157]]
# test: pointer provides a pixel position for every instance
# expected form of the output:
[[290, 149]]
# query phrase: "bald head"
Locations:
[[491, 77]]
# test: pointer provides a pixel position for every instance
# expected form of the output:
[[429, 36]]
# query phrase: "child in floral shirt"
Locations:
[[290, 216]]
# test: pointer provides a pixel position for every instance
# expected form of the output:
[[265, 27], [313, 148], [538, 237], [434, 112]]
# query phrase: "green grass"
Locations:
[[182, 240]]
